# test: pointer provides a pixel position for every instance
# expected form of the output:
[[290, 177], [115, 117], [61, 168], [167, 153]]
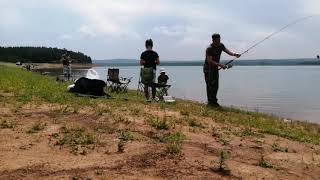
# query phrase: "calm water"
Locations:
[[286, 91]]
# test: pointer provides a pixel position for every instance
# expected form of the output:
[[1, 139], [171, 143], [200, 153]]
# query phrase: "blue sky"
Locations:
[[181, 29]]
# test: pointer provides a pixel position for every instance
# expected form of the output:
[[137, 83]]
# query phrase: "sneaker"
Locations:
[[214, 105]]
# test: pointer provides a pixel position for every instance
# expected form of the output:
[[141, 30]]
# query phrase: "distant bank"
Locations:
[[259, 62], [40, 55]]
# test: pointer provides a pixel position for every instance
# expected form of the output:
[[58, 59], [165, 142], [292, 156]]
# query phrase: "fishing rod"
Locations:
[[268, 37]]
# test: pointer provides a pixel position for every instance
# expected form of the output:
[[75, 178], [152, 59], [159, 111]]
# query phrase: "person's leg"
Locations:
[[146, 92], [212, 80], [65, 72], [153, 87], [215, 87], [69, 72]]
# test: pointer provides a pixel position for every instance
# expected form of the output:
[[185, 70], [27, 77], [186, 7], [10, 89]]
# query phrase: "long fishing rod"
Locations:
[[269, 36]]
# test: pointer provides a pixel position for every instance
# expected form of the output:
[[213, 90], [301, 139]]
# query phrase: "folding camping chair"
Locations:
[[116, 83], [147, 79]]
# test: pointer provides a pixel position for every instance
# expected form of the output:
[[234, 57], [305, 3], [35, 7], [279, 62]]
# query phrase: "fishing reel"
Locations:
[[229, 66]]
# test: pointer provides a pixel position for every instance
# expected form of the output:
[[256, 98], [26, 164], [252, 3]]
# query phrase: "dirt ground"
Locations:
[[37, 155]]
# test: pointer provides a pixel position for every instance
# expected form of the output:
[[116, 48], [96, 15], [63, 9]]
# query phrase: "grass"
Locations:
[[32, 88], [77, 138], [102, 111], [173, 141], [247, 132], [125, 135], [194, 124], [36, 127], [277, 148], [7, 124], [220, 164], [265, 164], [262, 123], [158, 124]]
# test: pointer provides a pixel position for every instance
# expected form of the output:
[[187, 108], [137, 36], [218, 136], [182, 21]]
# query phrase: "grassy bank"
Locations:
[[28, 87], [126, 137]]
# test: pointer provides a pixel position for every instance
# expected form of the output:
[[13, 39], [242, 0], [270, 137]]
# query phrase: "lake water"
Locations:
[[286, 91]]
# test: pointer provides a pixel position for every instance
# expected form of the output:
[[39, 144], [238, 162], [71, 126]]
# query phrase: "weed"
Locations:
[[223, 141], [136, 111], [102, 111], [77, 138], [184, 113], [36, 127], [125, 135], [220, 163], [204, 112], [247, 132], [194, 124], [158, 124], [277, 148], [7, 124], [173, 141], [264, 163], [215, 132], [121, 119]]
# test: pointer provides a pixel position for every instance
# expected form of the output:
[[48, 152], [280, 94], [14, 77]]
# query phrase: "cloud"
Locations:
[[182, 29], [170, 31], [65, 37], [86, 31]]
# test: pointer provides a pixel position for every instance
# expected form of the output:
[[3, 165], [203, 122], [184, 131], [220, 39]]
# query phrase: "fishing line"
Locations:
[[269, 36]]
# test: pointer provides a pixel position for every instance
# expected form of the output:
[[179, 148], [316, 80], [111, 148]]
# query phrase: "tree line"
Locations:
[[40, 55]]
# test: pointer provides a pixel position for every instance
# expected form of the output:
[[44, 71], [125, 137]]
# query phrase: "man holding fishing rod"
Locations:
[[211, 68]]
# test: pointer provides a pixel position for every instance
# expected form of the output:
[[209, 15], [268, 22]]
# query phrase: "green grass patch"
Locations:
[[37, 126], [173, 141], [77, 138], [125, 135], [158, 124], [7, 124], [102, 111], [262, 123]]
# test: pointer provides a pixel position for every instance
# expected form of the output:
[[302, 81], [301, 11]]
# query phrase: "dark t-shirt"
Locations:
[[150, 58], [163, 79], [65, 62], [215, 52]]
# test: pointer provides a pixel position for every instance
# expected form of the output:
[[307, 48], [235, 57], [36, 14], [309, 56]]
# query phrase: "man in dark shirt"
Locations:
[[211, 68], [66, 62], [163, 78], [150, 59], [318, 57]]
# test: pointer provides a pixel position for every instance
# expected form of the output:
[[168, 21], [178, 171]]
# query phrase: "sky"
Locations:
[[180, 29]]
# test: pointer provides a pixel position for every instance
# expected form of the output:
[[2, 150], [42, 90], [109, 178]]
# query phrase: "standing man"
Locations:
[[318, 57], [66, 62], [150, 59], [211, 68]]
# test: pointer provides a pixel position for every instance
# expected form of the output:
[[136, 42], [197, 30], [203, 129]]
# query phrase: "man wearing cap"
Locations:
[[211, 68], [150, 59], [163, 78]]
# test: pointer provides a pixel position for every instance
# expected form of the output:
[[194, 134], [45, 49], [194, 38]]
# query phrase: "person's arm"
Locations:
[[142, 62], [211, 62], [231, 53], [157, 61], [142, 59]]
